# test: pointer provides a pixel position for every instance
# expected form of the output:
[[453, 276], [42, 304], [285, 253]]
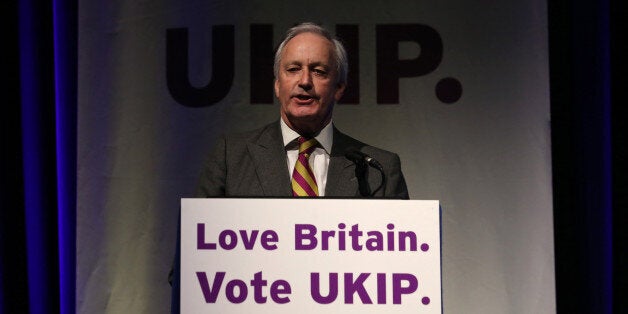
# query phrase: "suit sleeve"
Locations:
[[396, 185], [214, 174]]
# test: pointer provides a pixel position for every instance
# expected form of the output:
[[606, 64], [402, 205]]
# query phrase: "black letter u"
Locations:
[[177, 63]]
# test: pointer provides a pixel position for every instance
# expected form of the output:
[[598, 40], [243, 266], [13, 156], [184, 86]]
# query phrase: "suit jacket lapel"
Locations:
[[341, 180], [269, 157]]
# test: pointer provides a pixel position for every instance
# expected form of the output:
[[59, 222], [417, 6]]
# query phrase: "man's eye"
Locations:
[[320, 71], [292, 69]]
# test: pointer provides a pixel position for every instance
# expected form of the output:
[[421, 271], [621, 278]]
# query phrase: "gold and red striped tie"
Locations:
[[303, 181]]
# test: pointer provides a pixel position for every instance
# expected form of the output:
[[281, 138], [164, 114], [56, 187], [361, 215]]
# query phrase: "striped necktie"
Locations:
[[303, 181]]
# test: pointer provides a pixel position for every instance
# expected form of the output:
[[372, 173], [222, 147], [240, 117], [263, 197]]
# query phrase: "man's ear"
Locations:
[[277, 88], [340, 91]]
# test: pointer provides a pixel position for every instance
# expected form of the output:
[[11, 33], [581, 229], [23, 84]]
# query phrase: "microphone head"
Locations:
[[356, 156], [361, 158]]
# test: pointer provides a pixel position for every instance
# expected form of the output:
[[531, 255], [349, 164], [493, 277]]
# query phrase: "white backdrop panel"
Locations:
[[485, 156]]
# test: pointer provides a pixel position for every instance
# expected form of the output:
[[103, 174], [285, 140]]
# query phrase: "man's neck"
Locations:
[[324, 136]]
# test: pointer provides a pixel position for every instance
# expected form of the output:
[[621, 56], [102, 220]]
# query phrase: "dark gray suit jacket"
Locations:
[[253, 164]]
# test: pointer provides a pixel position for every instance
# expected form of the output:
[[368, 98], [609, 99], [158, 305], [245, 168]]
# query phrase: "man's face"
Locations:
[[307, 83]]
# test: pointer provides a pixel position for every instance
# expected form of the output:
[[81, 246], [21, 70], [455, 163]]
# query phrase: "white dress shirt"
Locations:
[[319, 159]]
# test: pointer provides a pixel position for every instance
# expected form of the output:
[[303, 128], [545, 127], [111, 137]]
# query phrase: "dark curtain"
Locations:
[[37, 235], [38, 174], [13, 290], [588, 154]]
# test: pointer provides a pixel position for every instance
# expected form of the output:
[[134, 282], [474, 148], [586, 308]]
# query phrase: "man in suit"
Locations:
[[310, 77]]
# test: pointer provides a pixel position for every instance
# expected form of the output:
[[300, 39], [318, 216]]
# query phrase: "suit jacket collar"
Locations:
[[269, 156], [268, 153], [341, 180]]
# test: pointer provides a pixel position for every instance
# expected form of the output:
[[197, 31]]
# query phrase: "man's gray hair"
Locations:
[[340, 54]]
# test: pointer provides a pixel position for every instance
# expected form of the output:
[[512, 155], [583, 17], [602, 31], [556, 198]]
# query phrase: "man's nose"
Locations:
[[305, 81]]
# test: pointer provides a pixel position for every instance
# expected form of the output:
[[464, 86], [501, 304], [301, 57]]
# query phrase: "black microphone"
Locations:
[[359, 157], [361, 160]]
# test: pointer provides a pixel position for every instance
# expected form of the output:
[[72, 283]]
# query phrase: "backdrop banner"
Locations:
[[458, 89]]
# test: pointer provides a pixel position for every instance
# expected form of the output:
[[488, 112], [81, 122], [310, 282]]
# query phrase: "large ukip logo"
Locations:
[[389, 66]]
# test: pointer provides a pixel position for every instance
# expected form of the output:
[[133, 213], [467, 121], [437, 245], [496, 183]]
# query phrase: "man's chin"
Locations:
[[307, 124], [305, 118]]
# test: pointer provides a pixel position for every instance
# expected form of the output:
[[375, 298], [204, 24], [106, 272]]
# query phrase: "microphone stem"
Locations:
[[382, 185]]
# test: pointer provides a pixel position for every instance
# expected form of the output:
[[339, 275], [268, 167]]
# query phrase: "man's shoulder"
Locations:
[[389, 161], [266, 132], [344, 143]]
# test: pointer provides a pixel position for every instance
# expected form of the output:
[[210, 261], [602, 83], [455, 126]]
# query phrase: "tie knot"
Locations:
[[306, 145]]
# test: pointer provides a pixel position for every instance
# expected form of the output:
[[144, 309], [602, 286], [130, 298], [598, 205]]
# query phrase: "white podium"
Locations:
[[310, 256]]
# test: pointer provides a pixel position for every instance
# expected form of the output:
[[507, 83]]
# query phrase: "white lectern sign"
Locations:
[[310, 256]]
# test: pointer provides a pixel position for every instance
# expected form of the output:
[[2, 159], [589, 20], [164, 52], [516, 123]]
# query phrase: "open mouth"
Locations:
[[304, 97]]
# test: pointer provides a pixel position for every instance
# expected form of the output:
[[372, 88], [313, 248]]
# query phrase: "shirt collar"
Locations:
[[325, 137]]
